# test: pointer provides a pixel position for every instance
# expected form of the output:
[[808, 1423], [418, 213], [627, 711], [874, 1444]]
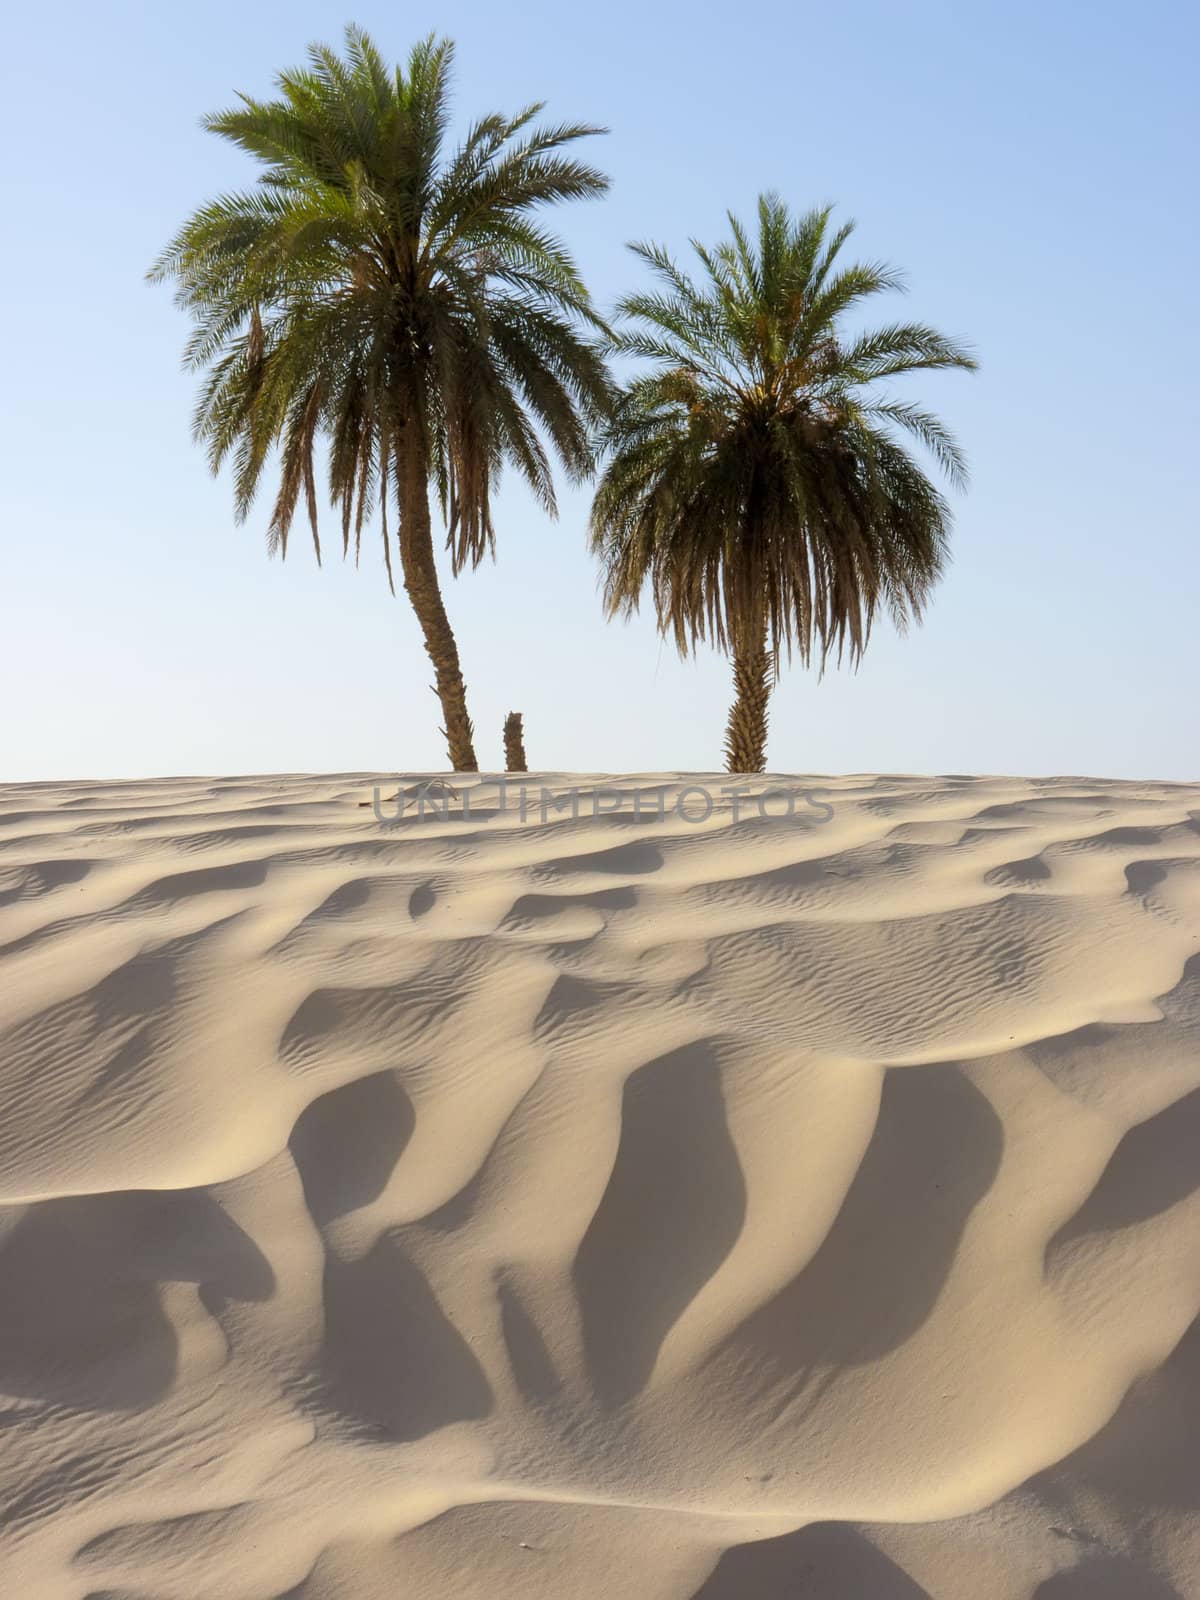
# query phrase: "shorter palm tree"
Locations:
[[756, 476]]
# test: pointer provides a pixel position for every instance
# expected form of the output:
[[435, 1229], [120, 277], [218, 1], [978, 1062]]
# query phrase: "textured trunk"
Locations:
[[514, 743], [421, 585], [746, 735]]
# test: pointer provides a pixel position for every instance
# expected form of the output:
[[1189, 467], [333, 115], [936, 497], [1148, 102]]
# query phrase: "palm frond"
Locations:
[[754, 482], [373, 280]]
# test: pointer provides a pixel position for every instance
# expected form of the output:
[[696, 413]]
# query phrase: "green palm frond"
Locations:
[[374, 280], [754, 481]]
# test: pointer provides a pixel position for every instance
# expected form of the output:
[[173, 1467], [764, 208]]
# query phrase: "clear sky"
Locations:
[[1031, 167]]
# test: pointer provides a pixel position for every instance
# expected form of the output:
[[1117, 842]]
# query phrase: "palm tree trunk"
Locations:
[[514, 743], [421, 585], [746, 734]]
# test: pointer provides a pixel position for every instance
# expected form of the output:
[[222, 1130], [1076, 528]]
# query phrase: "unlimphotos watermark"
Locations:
[[694, 804]]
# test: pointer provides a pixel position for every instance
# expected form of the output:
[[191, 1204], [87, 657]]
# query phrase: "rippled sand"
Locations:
[[602, 1206]]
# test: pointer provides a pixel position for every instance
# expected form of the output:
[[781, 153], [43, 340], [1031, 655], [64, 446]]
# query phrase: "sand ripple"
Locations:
[[600, 1206]]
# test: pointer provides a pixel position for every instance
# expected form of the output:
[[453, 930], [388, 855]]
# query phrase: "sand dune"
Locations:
[[600, 1206]]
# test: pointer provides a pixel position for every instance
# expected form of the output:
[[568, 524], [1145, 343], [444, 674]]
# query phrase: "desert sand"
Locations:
[[600, 1206]]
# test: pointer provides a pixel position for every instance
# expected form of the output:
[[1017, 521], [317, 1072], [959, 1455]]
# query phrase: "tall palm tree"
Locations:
[[400, 300], [756, 478]]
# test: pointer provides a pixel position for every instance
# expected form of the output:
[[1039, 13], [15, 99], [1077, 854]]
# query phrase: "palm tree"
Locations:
[[400, 300], [756, 477]]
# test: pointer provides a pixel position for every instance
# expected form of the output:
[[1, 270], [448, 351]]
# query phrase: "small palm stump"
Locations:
[[514, 743]]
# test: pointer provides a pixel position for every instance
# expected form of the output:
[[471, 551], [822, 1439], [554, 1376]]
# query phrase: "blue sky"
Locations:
[[1031, 168]]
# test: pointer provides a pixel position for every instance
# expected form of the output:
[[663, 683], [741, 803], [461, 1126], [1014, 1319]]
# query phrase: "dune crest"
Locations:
[[593, 1205]]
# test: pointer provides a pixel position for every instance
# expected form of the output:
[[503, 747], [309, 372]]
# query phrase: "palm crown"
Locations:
[[756, 477], [400, 302]]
